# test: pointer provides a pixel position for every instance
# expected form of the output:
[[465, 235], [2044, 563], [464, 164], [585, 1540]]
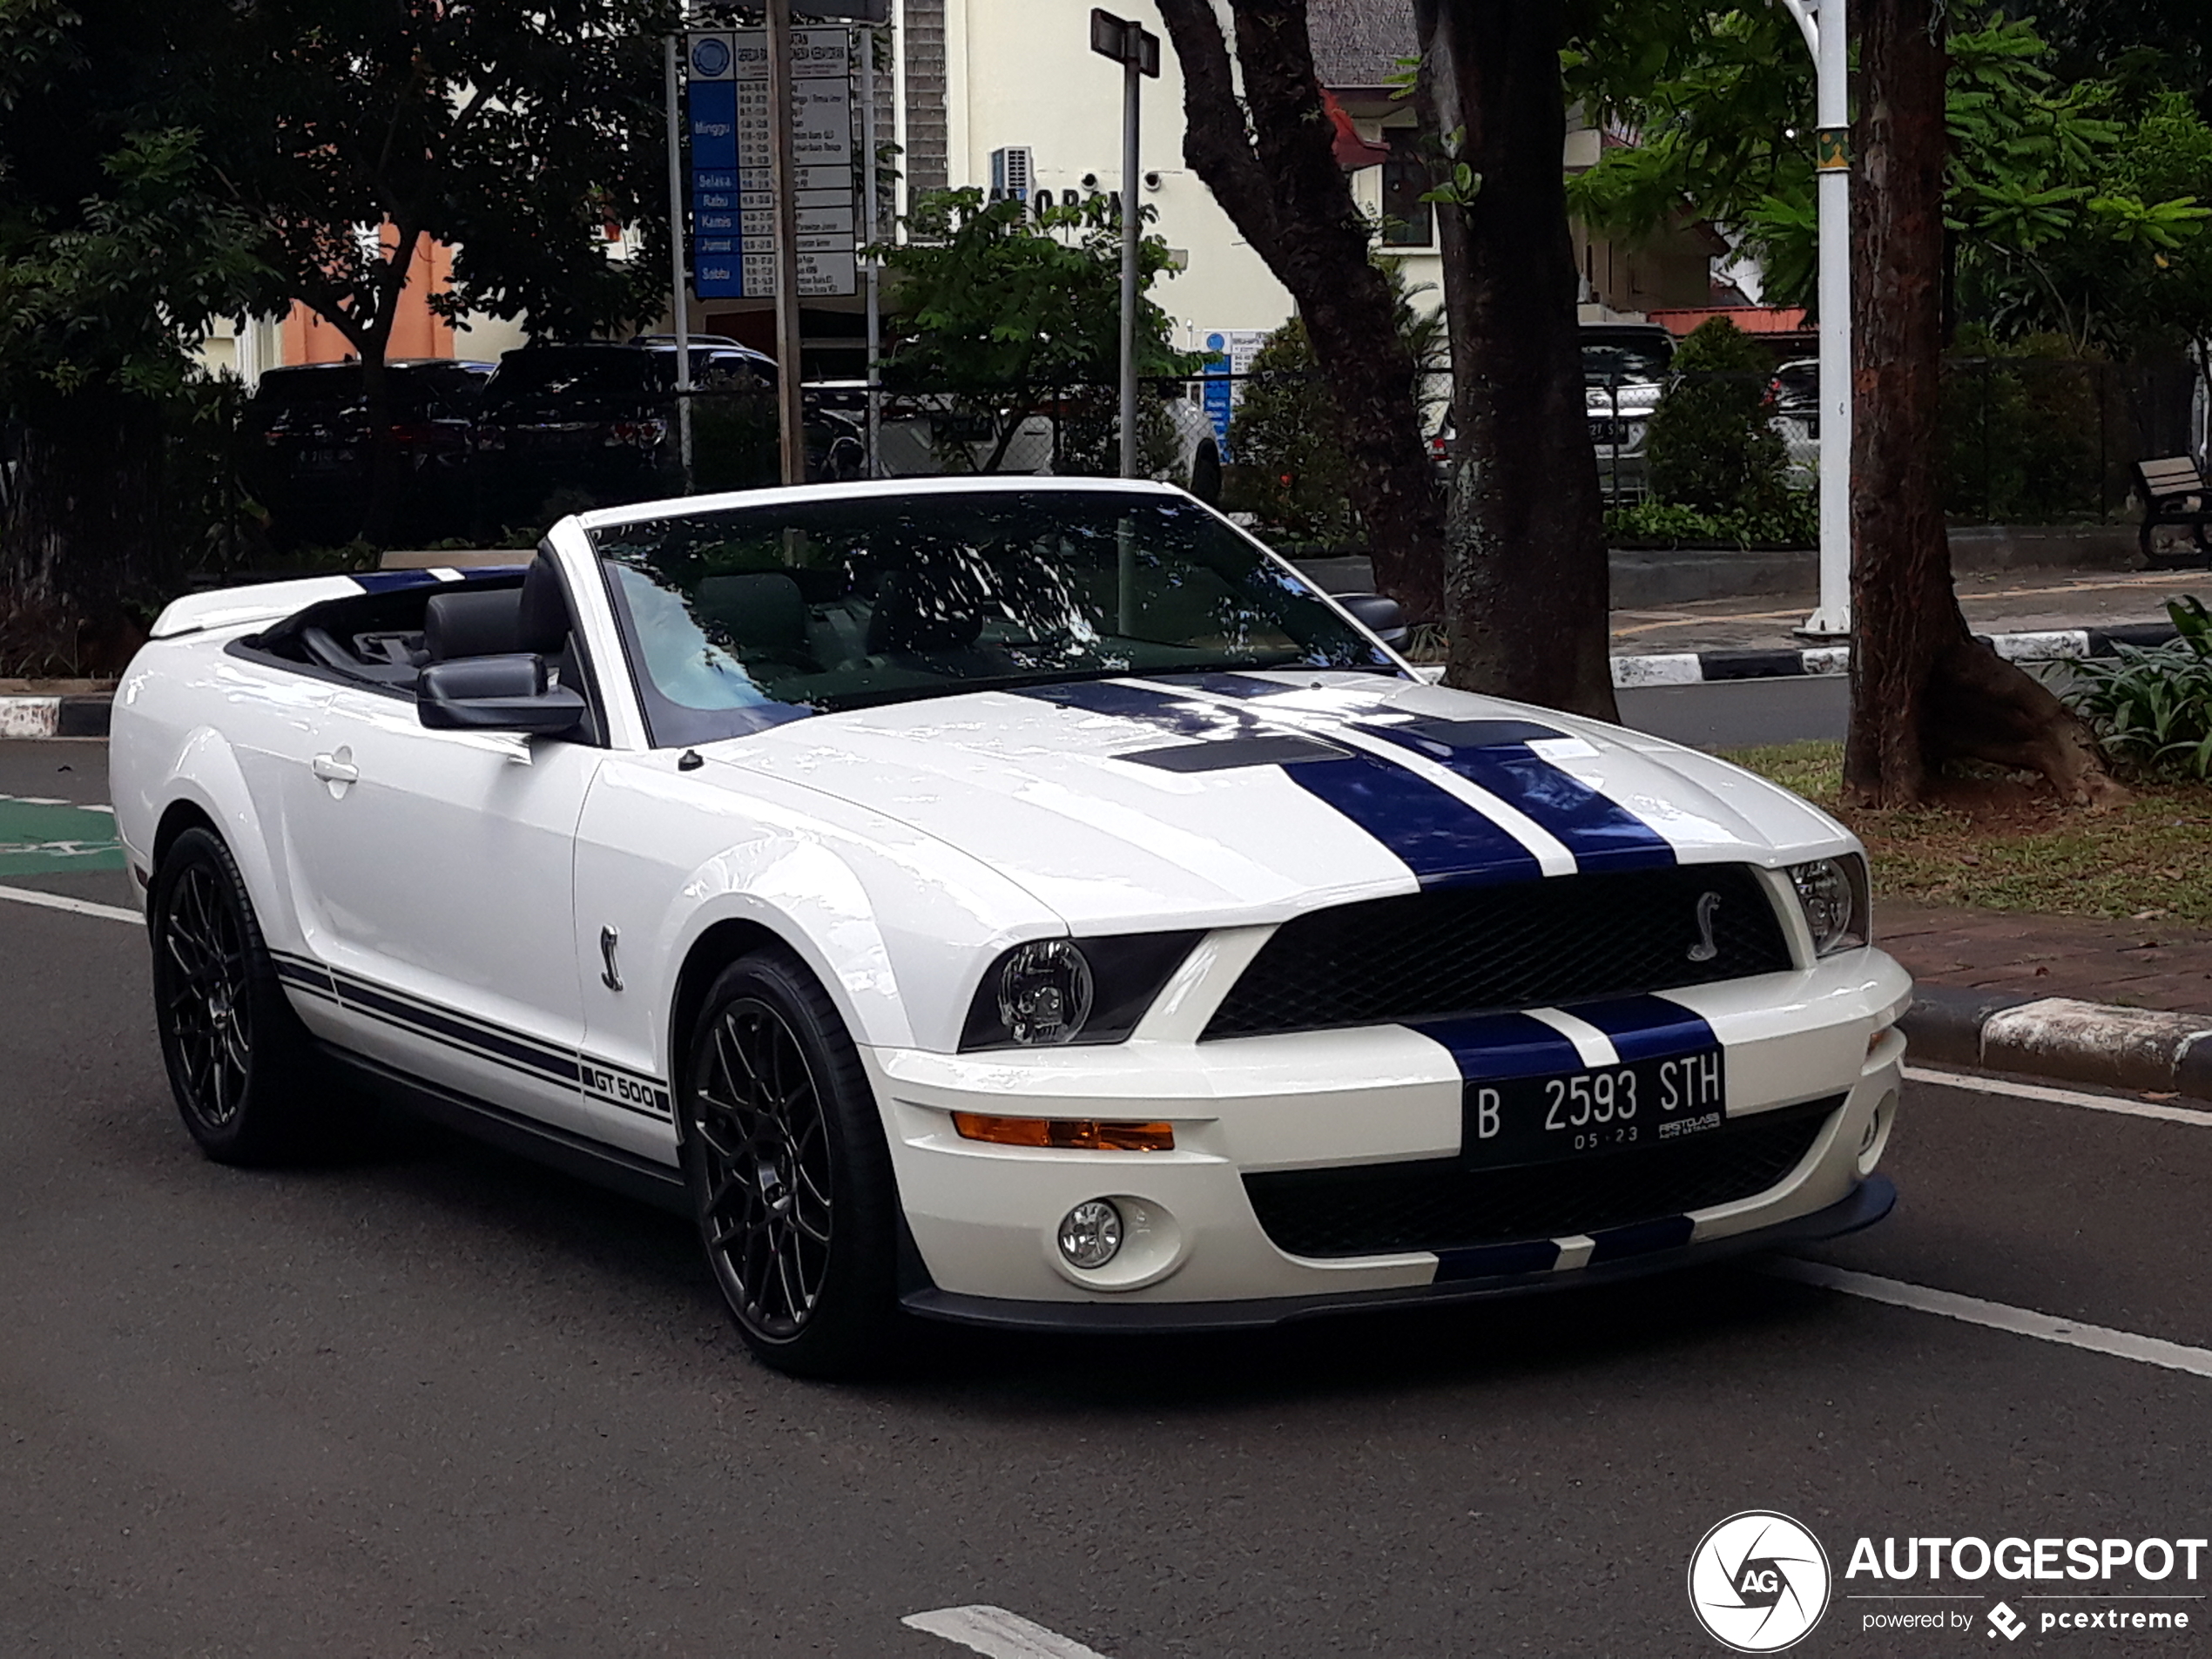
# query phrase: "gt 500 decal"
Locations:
[[625, 1090]]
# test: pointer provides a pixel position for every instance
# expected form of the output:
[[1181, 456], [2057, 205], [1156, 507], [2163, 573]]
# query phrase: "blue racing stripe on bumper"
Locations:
[[1648, 1028], [1488, 1046]]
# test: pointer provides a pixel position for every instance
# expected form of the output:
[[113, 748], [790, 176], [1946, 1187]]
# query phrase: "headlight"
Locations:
[[1832, 894], [1052, 991]]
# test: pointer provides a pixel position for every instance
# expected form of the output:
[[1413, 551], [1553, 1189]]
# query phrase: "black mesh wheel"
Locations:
[[789, 1171], [236, 1054]]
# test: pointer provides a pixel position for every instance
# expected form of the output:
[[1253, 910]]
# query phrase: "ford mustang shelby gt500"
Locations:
[[1005, 902]]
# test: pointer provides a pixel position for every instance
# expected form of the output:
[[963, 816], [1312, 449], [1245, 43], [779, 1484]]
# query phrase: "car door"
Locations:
[[437, 885]]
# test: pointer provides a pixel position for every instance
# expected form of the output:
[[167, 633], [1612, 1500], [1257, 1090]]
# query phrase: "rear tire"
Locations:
[[789, 1175], [239, 1059]]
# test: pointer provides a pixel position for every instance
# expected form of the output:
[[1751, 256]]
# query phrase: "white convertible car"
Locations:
[[1021, 903]]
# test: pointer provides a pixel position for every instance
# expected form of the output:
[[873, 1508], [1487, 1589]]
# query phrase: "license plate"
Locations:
[[1582, 1114]]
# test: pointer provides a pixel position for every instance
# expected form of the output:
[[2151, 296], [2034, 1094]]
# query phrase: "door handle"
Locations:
[[332, 769]]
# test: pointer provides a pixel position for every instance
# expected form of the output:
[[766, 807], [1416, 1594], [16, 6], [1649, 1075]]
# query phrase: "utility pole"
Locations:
[[783, 176], [678, 308], [1824, 25], [1137, 50]]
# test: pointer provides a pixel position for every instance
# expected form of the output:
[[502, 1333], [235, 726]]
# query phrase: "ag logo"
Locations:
[[1758, 1582]]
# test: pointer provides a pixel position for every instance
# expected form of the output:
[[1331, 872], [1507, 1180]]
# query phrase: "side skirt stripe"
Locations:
[[598, 1080]]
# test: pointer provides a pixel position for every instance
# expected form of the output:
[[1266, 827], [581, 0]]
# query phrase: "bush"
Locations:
[[1710, 445], [1792, 521], [2154, 708], [1295, 475], [2021, 429]]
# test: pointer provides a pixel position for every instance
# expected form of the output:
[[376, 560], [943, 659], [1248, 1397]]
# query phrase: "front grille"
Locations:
[[1435, 1204], [1529, 945]]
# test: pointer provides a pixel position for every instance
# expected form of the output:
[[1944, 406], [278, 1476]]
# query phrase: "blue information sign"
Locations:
[[716, 268]]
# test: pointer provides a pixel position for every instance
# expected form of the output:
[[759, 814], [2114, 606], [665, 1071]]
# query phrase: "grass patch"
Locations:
[[2004, 847]]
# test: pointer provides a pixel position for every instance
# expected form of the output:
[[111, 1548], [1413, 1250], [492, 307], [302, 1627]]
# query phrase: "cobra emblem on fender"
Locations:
[[1705, 950]]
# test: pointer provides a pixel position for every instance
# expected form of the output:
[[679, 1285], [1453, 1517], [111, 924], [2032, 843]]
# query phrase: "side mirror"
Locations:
[[1380, 614], [509, 692]]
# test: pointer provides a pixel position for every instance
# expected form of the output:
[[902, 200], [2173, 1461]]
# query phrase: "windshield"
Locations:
[[741, 618]]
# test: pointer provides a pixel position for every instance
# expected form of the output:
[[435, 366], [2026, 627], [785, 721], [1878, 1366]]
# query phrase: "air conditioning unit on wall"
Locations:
[[1011, 173]]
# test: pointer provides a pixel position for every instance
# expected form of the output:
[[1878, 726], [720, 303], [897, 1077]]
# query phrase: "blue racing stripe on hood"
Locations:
[[1485, 1047], [1648, 1028], [1443, 840], [1437, 836], [1495, 755]]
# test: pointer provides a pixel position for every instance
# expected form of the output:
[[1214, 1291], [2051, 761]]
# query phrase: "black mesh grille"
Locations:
[[1533, 944], [1435, 1204]]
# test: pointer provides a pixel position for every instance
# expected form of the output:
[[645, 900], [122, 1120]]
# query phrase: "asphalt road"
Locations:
[[435, 1400]]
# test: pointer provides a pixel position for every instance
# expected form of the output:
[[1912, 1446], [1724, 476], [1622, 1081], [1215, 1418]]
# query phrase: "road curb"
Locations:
[[82, 714], [1708, 667], [2061, 1037]]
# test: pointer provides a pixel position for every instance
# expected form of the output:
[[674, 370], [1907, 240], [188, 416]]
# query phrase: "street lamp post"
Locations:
[[1137, 50], [1823, 24]]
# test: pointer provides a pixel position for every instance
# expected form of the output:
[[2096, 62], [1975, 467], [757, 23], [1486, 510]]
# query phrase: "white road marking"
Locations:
[[79, 907], [2060, 1097], [2026, 1322], [997, 1634]]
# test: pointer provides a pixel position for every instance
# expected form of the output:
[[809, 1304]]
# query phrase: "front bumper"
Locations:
[[983, 1218], [1869, 1201]]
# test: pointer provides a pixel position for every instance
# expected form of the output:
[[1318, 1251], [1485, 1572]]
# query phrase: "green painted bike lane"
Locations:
[[41, 837]]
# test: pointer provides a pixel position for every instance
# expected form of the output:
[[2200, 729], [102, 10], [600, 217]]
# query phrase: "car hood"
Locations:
[[1226, 798]]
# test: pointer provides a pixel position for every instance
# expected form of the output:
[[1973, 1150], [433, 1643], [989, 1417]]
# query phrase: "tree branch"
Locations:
[[1214, 139]]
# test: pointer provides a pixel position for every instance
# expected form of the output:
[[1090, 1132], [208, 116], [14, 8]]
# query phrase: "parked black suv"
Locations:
[[307, 451], [566, 427]]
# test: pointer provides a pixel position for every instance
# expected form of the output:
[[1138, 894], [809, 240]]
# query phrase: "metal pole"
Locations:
[[875, 271], [1826, 21], [677, 307], [1130, 233], [791, 428]]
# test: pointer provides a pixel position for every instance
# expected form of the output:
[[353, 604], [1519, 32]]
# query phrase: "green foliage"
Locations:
[[1292, 469], [1711, 445], [1793, 520], [2057, 224], [2021, 426], [1009, 312], [2153, 707], [1296, 477]]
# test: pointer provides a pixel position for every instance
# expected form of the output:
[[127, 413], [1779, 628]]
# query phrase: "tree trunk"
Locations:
[[81, 531], [1527, 581], [1276, 176], [1924, 690]]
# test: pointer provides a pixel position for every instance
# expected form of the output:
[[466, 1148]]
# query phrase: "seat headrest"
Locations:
[[544, 625], [471, 624], [913, 614], [761, 610]]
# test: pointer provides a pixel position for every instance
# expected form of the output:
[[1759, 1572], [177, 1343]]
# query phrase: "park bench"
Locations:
[[2174, 493]]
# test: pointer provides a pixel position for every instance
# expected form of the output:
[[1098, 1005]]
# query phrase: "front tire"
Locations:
[[789, 1173], [236, 1052]]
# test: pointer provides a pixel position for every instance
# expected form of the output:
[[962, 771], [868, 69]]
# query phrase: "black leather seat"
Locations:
[[472, 625], [912, 617], [762, 613]]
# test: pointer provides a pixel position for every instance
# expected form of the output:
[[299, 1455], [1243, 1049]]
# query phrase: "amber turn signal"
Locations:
[[1065, 1134]]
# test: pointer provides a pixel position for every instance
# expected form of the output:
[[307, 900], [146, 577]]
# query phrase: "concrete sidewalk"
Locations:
[[1996, 602]]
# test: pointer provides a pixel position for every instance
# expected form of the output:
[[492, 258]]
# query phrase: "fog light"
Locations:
[[1090, 1233]]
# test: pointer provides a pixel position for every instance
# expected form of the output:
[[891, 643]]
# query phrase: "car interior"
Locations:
[[382, 641]]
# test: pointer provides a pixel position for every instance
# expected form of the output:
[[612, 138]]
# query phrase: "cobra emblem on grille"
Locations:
[[1705, 950]]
